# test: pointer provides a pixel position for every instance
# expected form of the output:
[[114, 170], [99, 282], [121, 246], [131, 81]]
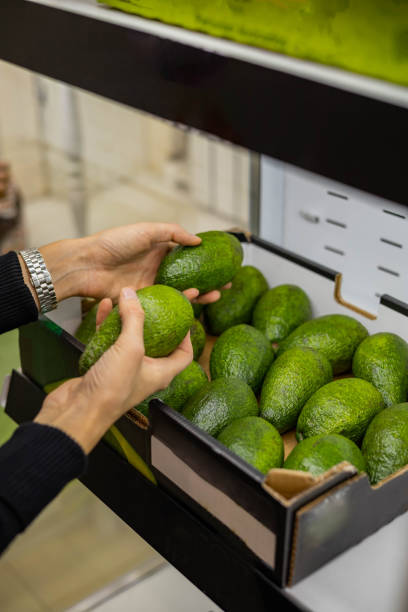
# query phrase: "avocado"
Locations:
[[319, 453], [382, 359], [236, 304], [181, 388], [385, 444], [280, 310], [290, 382], [337, 336], [197, 309], [205, 267], [168, 317], [87, 327], [197, 336], [344, 406], [219, 402], [242, 352], [50, 387], [254, 440]]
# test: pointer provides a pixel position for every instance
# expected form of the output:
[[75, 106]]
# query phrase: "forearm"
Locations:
[[35, 464]]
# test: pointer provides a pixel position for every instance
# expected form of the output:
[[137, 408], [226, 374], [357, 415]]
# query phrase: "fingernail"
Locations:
[[129, 293]]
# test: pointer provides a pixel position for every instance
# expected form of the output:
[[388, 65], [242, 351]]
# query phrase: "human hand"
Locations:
[[86, 407], [98, 266]]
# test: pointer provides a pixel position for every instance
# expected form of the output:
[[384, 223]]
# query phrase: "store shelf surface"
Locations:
[[341, 125]]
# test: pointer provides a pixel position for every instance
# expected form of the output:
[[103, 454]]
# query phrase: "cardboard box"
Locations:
[[288, 523]]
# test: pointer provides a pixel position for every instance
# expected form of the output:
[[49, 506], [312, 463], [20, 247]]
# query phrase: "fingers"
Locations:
[[172, 232], [104, 308], [208, 298], [132, 315], [191, 294], [164, 369]]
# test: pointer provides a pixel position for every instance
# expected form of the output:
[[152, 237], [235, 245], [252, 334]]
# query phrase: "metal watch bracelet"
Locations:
[[40, 279]]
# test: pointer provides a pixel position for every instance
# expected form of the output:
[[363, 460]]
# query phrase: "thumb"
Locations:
[[132, 315]]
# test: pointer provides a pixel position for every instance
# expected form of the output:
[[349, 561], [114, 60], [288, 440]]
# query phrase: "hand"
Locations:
[[86, 407], [99, 265]]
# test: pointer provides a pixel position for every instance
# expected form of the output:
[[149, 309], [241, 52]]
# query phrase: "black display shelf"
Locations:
[[353, 133], [173, 530]]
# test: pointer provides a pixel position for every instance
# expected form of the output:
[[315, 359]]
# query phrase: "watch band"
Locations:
[[40, 279]]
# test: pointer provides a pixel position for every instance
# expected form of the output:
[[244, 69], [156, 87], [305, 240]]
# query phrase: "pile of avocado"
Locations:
[[272, 366]]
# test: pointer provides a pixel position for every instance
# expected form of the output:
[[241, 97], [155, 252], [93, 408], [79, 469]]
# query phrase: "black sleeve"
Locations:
[[35, 464], [17, 305]]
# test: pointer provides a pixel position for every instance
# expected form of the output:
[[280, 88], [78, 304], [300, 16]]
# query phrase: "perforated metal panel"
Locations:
[[362, 236]]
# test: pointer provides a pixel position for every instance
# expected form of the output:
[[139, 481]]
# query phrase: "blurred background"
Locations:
[[78, 164]]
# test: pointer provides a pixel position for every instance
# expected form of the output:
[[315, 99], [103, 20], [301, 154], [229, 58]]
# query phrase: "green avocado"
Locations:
[[87, 327], [290, 382], [219, 402], [319, 453], [254, 440], [385, 444], [197, 309], [181, 388], [236, 304], [205, 267], [168, 317], [197, 335], [242, 352], [344, 406], [337, 336], [280, 310], [382, 359]]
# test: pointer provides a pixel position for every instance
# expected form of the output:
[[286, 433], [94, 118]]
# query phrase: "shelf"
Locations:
[[174, 531], [350, 128]]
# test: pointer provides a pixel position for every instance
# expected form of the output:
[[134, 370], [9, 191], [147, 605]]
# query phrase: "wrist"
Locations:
[[80, 419], [66, 263]]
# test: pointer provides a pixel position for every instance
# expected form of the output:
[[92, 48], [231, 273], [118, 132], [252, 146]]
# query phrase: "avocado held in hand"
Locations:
[[382, 359], [168, 317], [385, 444], [345, 406], [197, 336], [290, 382], [219, 402], [336, 336], [205, 267], [87, 327], [181, 388], [254, 440], [320, 453], [242, 352], [236, 304], [280, 310]]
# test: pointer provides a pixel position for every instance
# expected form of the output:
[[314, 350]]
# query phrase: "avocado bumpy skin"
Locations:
[[344, 406], [254, 440], [236, 304], [181, 388], [208, 266], [318, 454], [219, 402], [87, 327], [290, 382], [385, 444], [242, 352], [168, 317], [382, 359], [280, 310], [197, 336], [336, 336]]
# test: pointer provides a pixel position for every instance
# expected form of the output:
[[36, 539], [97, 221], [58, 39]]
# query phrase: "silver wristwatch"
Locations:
[[40, 279]]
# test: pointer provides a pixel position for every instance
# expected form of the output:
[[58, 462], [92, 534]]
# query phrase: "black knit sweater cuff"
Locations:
[[17, 305], [35, 464]]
